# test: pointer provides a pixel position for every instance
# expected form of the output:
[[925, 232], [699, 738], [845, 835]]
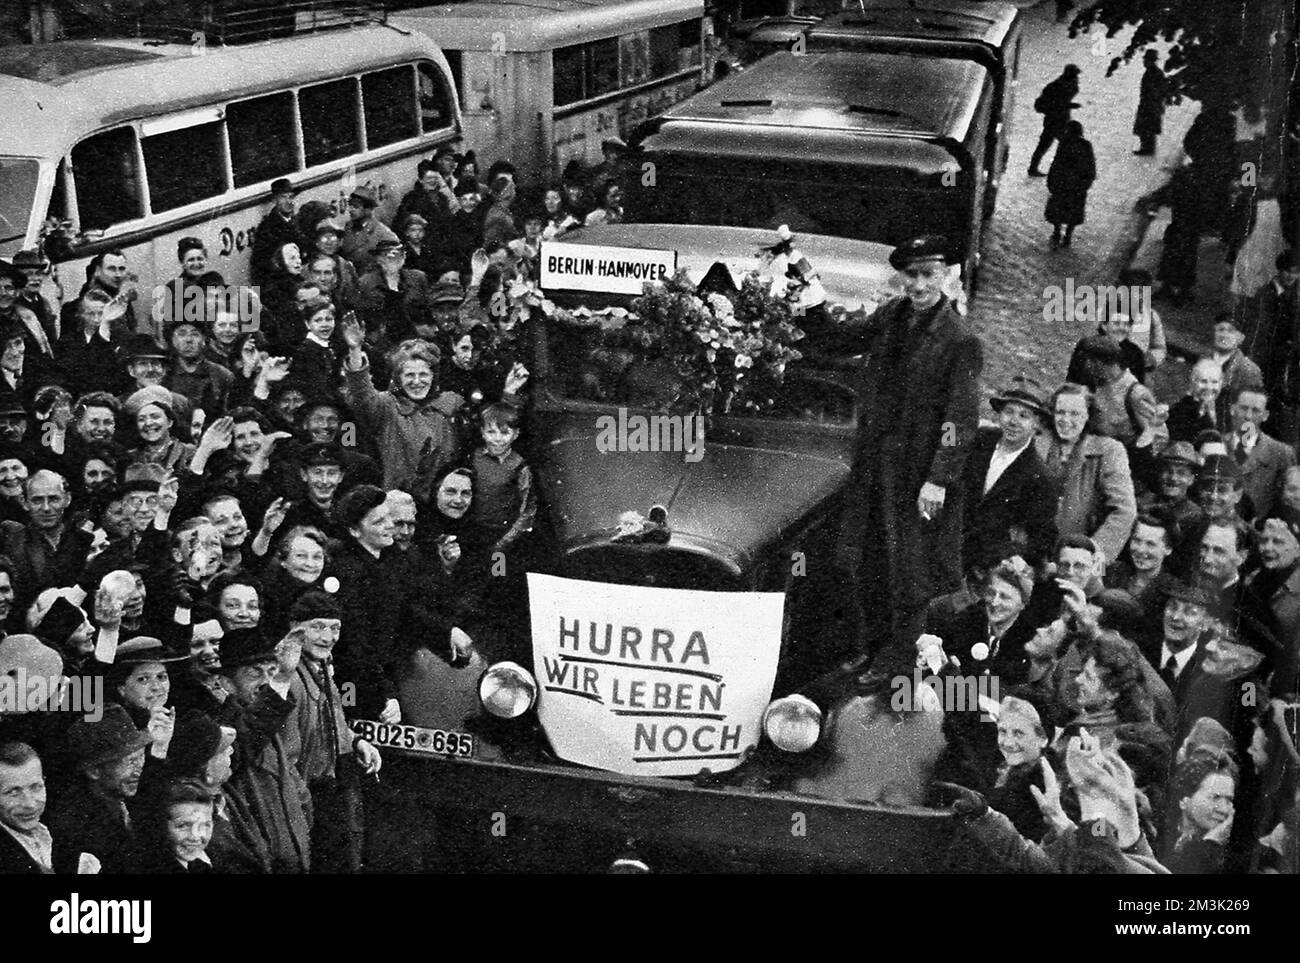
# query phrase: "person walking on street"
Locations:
[[1054, 103], [1072, 172], [1151, 105]]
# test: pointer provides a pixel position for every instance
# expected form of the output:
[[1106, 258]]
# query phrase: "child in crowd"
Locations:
[[315, 365], [505, 504]]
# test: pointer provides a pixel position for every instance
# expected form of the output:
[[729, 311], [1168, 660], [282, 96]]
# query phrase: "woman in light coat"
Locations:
[[1096, 486]]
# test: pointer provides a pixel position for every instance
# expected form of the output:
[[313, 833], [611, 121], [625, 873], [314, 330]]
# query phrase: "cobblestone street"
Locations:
[[1018, 264]]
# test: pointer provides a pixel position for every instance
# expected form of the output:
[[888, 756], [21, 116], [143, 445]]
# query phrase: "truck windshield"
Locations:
[[18, 177], [866, 204]]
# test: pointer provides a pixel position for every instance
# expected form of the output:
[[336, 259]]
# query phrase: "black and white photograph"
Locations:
[[664, 437]]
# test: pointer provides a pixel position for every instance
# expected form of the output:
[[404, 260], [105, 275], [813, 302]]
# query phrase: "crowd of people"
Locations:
[[240, 517], [1122, 574]]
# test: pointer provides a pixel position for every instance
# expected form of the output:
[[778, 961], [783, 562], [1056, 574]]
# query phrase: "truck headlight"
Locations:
[[507, 690], [793, 723]]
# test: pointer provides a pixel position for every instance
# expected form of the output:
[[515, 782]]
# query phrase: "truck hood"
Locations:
[[588, 490]]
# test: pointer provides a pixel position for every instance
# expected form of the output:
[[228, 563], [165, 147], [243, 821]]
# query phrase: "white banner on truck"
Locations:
[[652, 681], [608, 270]]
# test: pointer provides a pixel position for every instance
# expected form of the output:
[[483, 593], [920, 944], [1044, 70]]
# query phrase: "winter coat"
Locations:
[[1072, 172], [912, 430], [1015, 516], [401, 426], [1096, 491], [1151, 103]]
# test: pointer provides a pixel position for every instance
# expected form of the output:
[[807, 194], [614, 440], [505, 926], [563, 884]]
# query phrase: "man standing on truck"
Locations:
[[900, 541]]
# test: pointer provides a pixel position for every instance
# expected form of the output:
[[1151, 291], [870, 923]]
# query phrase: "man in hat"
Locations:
[[17, 317], [1174, 650], [91, 815], [318, 738], [277, 229], [1008, 499], [1055, 103], [445, 299], [321, 421], [898, 533], [202, 382], [14, 421], [1151, 104], [364, 230], [36, 267], [322, 472], [1176, 470], [1239, 371], [1263, 459], [266, 785], [393, 298], [147, 368], [1219, 488]]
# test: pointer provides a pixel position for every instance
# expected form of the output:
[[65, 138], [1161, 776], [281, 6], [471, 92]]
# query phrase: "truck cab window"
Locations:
[[329, 121], [389, 98]]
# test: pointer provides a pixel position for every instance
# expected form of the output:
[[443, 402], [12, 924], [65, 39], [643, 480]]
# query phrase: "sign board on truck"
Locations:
[[607, 270], [652, 681]]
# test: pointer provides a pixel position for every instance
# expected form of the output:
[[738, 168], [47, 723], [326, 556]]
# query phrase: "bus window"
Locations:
[[263, 144], [453, 64], [602, 67], [674, 47], [389, 98], [107, 176], [329, 121], [567, 63], [17, 192], [184, 166], [435, 99]]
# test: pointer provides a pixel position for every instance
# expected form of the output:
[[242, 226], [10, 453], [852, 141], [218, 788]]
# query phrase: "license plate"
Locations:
[[435, 742]]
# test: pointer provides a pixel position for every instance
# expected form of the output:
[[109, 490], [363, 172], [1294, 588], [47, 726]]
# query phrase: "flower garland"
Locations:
[[726, 354]]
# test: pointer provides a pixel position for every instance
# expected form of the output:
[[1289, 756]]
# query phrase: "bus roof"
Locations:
[[879, 93], [85, 86], [535, 25], [986, 25], [928, 19]]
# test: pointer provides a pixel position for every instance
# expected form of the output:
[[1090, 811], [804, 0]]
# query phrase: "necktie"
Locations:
[[197, 866], [1169, 672]]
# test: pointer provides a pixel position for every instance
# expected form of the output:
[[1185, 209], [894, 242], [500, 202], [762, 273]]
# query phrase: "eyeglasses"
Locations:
[[141, 501]]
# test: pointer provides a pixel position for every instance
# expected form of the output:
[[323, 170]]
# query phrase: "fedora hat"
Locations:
[[240, 647], [1180, 452], [1023, 390], [112, 737]]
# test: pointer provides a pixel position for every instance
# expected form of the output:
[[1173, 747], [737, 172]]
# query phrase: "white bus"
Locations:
[[138, 143], [543, 82]]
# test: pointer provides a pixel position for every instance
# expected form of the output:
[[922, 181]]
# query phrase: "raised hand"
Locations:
[[161, 726], [275, 515], [276, 369], [168, 493], [288, 653], [353, 334], [218, 435], [516, 378]]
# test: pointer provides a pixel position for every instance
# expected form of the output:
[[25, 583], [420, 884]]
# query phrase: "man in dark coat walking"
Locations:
[[1151, 105], [1054, 103], [918, 395], [1068, 179]]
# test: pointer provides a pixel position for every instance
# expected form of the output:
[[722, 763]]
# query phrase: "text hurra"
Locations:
[[626, 641]]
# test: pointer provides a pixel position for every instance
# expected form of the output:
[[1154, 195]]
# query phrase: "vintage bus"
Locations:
[[543, 83], [135, 143], [873, 146], [988, 34]]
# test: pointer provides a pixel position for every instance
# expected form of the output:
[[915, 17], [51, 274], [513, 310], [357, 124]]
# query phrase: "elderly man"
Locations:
[[1176, 470], [900, 526], [318, 737], [91, 815], [1008, 499], [1175, 654], [45, 552], [364, 231], [204, 383], [1224, 546]]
